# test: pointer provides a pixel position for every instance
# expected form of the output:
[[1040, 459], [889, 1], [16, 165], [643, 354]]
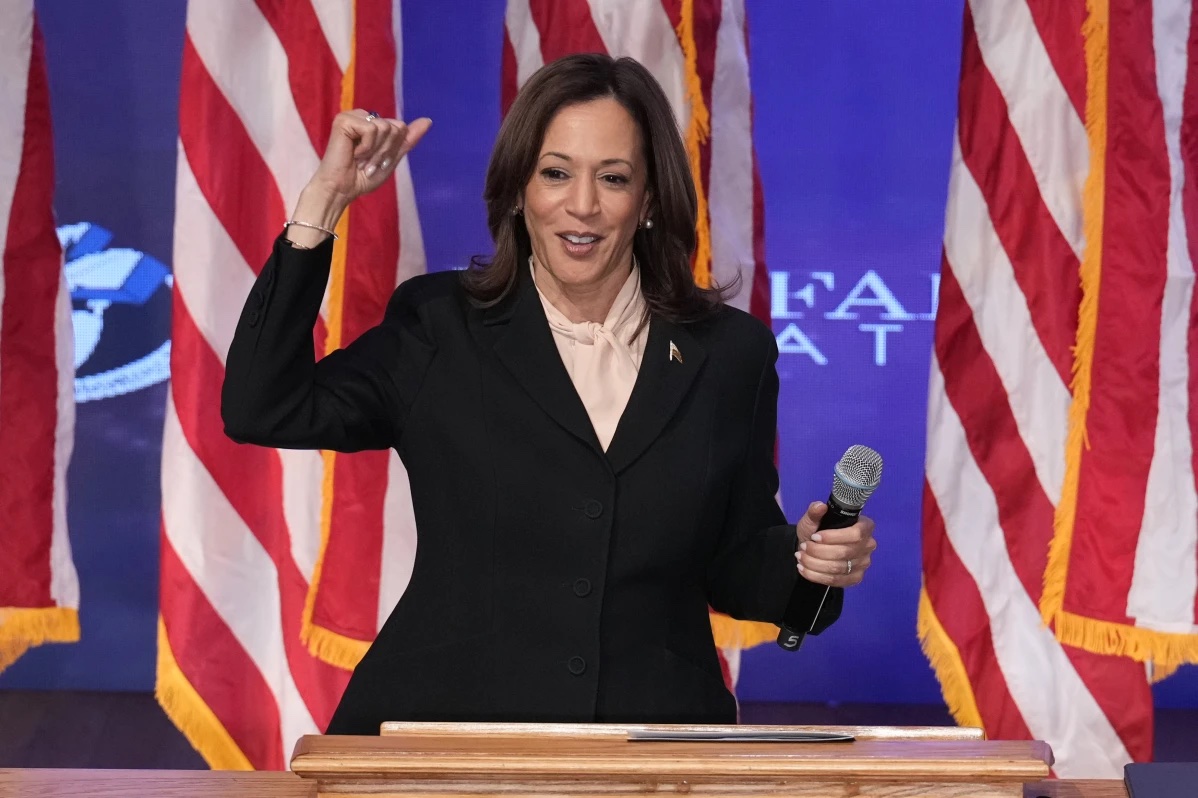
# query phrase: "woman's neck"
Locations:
[[582, 302]]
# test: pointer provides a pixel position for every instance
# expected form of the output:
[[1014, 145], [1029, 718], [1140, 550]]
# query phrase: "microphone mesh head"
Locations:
[[857, 476]]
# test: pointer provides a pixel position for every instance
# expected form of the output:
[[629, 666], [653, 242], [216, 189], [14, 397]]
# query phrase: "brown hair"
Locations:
[[663, 251]]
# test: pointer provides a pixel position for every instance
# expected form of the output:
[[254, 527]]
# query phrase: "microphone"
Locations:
[[855, 478]]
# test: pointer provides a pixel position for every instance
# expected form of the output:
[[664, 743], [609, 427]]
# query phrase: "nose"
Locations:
[[583, 199]]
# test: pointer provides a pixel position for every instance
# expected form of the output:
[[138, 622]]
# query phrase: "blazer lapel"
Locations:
[[670, 364], [526, 348]]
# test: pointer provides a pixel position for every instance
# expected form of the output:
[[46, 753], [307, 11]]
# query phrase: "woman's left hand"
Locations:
[[835, 557]]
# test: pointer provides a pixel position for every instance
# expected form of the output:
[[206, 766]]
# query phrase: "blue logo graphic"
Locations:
[[127, 293]]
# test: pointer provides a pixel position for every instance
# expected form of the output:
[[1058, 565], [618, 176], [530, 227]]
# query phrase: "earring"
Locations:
[[516, 211], [646, 225]]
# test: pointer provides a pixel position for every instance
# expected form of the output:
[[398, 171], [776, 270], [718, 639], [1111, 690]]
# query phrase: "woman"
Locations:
[[588, 435]]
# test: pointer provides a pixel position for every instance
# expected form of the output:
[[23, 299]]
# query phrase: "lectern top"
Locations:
[[421, 756]]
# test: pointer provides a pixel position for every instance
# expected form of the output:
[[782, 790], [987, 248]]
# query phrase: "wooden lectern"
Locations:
[[434, 760]]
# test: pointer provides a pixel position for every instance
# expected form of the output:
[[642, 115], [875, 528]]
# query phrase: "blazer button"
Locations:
[[253, 318], [582, 588], [593, 509], [577, 665]]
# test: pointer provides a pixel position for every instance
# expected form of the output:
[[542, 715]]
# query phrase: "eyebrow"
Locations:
[[604, 162]]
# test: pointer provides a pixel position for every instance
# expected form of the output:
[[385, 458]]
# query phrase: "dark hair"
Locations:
[[663, 251]]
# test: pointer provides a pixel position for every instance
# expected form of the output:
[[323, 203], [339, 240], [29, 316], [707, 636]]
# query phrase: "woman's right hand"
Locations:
[[361, 154]]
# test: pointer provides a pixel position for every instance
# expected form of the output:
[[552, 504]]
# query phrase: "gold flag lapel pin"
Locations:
[[675, 354]]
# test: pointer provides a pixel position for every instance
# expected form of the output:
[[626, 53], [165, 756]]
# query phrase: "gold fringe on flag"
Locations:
[[1166, 651], [324, 644], [698, 130], [731, 633], [22, 628], [1095, 32], [191, 715], [946, 661]]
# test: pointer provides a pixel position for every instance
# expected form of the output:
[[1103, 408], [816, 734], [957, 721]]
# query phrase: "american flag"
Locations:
[[698, 51], [250, 655], [39, 588], [1060, 466]]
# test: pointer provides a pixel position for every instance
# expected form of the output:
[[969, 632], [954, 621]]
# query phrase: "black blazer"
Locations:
[[553, 581]]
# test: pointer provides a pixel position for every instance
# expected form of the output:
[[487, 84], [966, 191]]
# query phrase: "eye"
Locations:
[[553, 173], [615, 180]]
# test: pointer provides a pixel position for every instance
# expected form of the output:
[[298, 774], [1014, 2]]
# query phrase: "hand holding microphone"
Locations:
[[831, 556], [835, 542]]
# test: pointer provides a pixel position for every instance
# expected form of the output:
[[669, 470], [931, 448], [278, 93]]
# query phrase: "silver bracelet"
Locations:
[[324, 230]]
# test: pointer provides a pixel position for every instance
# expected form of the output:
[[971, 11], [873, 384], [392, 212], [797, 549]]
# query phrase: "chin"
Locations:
[[573, 270], [576, 274]]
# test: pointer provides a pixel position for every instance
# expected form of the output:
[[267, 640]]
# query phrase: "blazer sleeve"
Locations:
[[277, 394], [753, 574]]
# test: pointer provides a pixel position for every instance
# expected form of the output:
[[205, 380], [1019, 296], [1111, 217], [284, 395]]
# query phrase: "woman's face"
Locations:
[[587, 194]]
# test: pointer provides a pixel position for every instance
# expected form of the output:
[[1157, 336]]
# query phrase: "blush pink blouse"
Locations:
[[603, 359]]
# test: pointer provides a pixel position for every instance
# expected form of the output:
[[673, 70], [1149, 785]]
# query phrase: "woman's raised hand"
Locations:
[[363, 151]]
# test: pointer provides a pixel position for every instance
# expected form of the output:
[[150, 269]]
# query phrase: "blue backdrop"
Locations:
[[855, 103]]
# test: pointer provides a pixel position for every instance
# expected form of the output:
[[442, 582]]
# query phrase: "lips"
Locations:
[[579, 243], [580, 238]]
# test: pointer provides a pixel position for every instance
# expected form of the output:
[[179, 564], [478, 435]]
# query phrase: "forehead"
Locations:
[[600, 128]]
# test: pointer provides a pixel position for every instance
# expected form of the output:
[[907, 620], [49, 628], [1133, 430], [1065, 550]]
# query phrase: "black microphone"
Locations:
[[855, 478]]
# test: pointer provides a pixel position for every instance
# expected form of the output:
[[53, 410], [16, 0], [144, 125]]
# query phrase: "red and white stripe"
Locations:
[[1164, 585], [242, 525], [539, 31], [39, 587], [1125, 583], [1000, 393]]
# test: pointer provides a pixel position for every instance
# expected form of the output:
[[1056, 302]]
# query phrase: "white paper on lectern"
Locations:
[[747, 736]]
